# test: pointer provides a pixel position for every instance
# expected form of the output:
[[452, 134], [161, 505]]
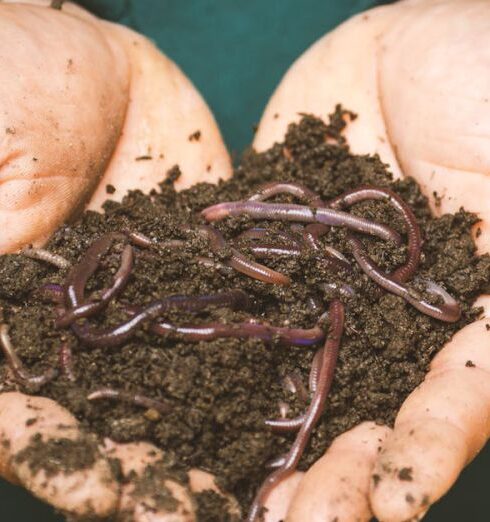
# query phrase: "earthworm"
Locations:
[[315, 370], [84, 269], [276, 463], [117, 335], [449, 311], [267, 250], [140, 239], [139, 400], [52, 292], [343, 289], [283, 409], [313, 413], [406, 271], [294, 384], [240, 263], [15, 364], [262, 250], [93, 307], [275, 188], [311, 234], [284, 425], [211, 331], [44, 255], [66, 361], [211, 263], [143, 241], [299, 213], [264, 233]]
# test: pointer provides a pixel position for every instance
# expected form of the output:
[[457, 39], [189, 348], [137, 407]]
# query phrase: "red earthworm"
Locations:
[[264, 233], [211, 331], [143, 241], [211, 263], [299, 213], [137, 399], [313, 413], [267, 250], [275, 188], [294, 384], [16, 366], [312, 232], [44, 255], [311, 235], [66, 361], [315, 370], [240, 263], [117, 335], [140, 239], [406, 271], [449, 311], [283, 409], [343, 289], [119, 283], [285, 425], [52, 292], [276, 463], [84, 269]]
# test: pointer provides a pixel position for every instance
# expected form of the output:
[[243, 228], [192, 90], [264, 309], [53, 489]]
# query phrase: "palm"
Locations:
[[417, 75]]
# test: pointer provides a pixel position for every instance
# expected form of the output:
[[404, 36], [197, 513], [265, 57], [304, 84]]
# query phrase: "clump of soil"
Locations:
[[222, 391]]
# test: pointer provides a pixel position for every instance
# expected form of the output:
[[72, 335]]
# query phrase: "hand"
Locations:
[[123, 119], [417, 75]]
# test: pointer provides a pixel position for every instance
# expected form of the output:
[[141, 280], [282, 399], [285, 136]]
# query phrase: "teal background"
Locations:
[[235, 52]]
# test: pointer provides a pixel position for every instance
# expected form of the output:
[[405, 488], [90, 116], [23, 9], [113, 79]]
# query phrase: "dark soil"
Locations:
[[221, 391]]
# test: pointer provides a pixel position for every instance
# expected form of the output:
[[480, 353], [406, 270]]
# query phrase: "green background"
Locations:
[[235, 52]]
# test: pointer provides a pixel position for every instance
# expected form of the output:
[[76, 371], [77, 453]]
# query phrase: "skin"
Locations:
[[153, 110], [408, 79], [420, 114]]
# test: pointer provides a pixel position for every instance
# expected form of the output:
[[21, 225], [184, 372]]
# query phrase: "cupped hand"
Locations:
[[85, 104], [417, 74]]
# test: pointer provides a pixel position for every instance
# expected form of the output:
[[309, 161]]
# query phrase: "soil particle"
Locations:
[[405, 474], [195, 136]]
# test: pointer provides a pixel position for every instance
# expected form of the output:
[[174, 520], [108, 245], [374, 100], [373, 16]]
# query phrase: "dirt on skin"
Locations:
[[222, 391]]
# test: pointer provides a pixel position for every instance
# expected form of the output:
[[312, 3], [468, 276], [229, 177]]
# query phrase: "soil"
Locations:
[[222, 391]]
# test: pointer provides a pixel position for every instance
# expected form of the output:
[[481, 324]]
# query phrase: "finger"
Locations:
[[433, 86], [439, 429], [167, 123], [59, 120], [340, 68], [280, 498], [336, 486], [202, 481], [43, 448], [149, 493]]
